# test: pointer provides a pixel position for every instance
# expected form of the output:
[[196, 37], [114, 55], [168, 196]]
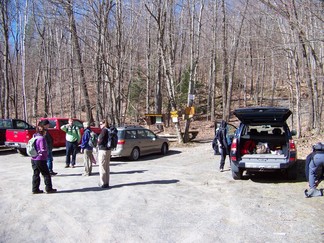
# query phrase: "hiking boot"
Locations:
[[313, 192], [104, 185], [67, 166], [52, 173], [51, 191], [38, 192], [73, 166]]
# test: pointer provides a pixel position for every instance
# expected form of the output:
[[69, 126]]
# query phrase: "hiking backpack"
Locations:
[[112, 138], [31, 148], [93, 139]]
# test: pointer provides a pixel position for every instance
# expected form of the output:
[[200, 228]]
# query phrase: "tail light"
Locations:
[[233, 149], [292, 151], [121, 142]]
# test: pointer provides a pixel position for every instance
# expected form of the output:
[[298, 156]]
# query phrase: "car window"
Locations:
[[63, 122], [141, 134], [52, 124], [130, 134], [5, 124], [21, 125], [149, 134], [231, 129], [264, 130]]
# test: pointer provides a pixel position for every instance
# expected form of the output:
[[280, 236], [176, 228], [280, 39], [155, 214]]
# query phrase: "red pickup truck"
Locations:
[[18, 138]]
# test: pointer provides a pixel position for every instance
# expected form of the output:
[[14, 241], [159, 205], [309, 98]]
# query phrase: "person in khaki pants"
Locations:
[[103, 155], [86, 149]]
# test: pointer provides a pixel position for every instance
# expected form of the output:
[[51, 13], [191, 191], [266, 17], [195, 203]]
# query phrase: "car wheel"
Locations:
[[135, 154], [164, 149], [22, 152], [237, 173], [292, 172]]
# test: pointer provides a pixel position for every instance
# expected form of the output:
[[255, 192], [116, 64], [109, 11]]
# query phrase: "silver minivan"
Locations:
[[136, 141]]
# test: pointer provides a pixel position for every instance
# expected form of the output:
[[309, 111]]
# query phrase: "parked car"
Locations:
[[12, 124], [18, 138], [135, 141], [263, 142], [230, 133]]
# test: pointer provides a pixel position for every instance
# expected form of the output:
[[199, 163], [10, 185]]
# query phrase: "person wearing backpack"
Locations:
[[73, 137], [49, 142], [223, 144], [39, 163], [104, 155], [87, 149], [314, 170]]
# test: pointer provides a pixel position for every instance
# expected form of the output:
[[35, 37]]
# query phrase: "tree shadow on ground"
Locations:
[[147, 157], [155, 182]]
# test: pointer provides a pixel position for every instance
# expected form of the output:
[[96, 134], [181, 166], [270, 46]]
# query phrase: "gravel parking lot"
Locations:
[[177, 198]]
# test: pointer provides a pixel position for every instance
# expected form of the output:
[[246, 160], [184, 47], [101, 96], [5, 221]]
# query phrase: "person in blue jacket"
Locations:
[[86, 149], [314, 170], [39, 163]]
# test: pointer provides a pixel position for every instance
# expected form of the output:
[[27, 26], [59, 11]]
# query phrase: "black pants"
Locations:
[[40, 166], [71, 149]]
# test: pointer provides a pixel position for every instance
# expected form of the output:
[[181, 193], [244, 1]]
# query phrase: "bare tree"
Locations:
[[195, 35], [6, 53]]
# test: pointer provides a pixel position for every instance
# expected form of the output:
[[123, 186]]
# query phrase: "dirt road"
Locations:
[[177, 198]]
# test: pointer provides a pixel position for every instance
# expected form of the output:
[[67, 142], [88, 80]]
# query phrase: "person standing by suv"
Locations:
[[73, 137], [314, 170], [104, 155], [223, 144]]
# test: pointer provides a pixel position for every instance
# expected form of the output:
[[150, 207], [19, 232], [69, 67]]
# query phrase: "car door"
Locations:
[[152, 143], [142, 141]]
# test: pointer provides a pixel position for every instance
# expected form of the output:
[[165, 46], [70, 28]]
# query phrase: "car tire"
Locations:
[[164, 149], [22, 151], [237, 173], [135, 154], [292, 172]]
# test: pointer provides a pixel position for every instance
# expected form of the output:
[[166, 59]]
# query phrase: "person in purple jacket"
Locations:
[[39, 163]]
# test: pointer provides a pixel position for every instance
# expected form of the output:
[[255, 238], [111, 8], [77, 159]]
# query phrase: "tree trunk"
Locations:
[[6, 54], [68, 6]]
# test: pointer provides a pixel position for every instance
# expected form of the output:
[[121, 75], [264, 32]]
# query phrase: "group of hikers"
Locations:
[[42, 163], [314, 164]]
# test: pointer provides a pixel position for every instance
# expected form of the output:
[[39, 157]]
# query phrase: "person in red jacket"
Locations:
[[39, 163]]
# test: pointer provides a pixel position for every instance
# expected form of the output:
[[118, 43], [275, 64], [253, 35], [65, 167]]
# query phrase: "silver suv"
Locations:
[[263, 142], [135, 141]]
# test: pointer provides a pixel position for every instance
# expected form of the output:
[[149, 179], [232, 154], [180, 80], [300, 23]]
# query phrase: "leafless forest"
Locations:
[[120, 59]]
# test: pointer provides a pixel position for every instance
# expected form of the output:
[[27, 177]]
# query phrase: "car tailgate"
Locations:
[[264, 161]]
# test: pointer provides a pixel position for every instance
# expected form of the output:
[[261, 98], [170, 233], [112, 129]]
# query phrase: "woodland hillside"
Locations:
[[120, 60]]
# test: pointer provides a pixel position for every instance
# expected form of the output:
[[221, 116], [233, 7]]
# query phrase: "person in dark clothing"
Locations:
[[314, 170], [49, 142], [223, 144], [104, 155], [39, 163]]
